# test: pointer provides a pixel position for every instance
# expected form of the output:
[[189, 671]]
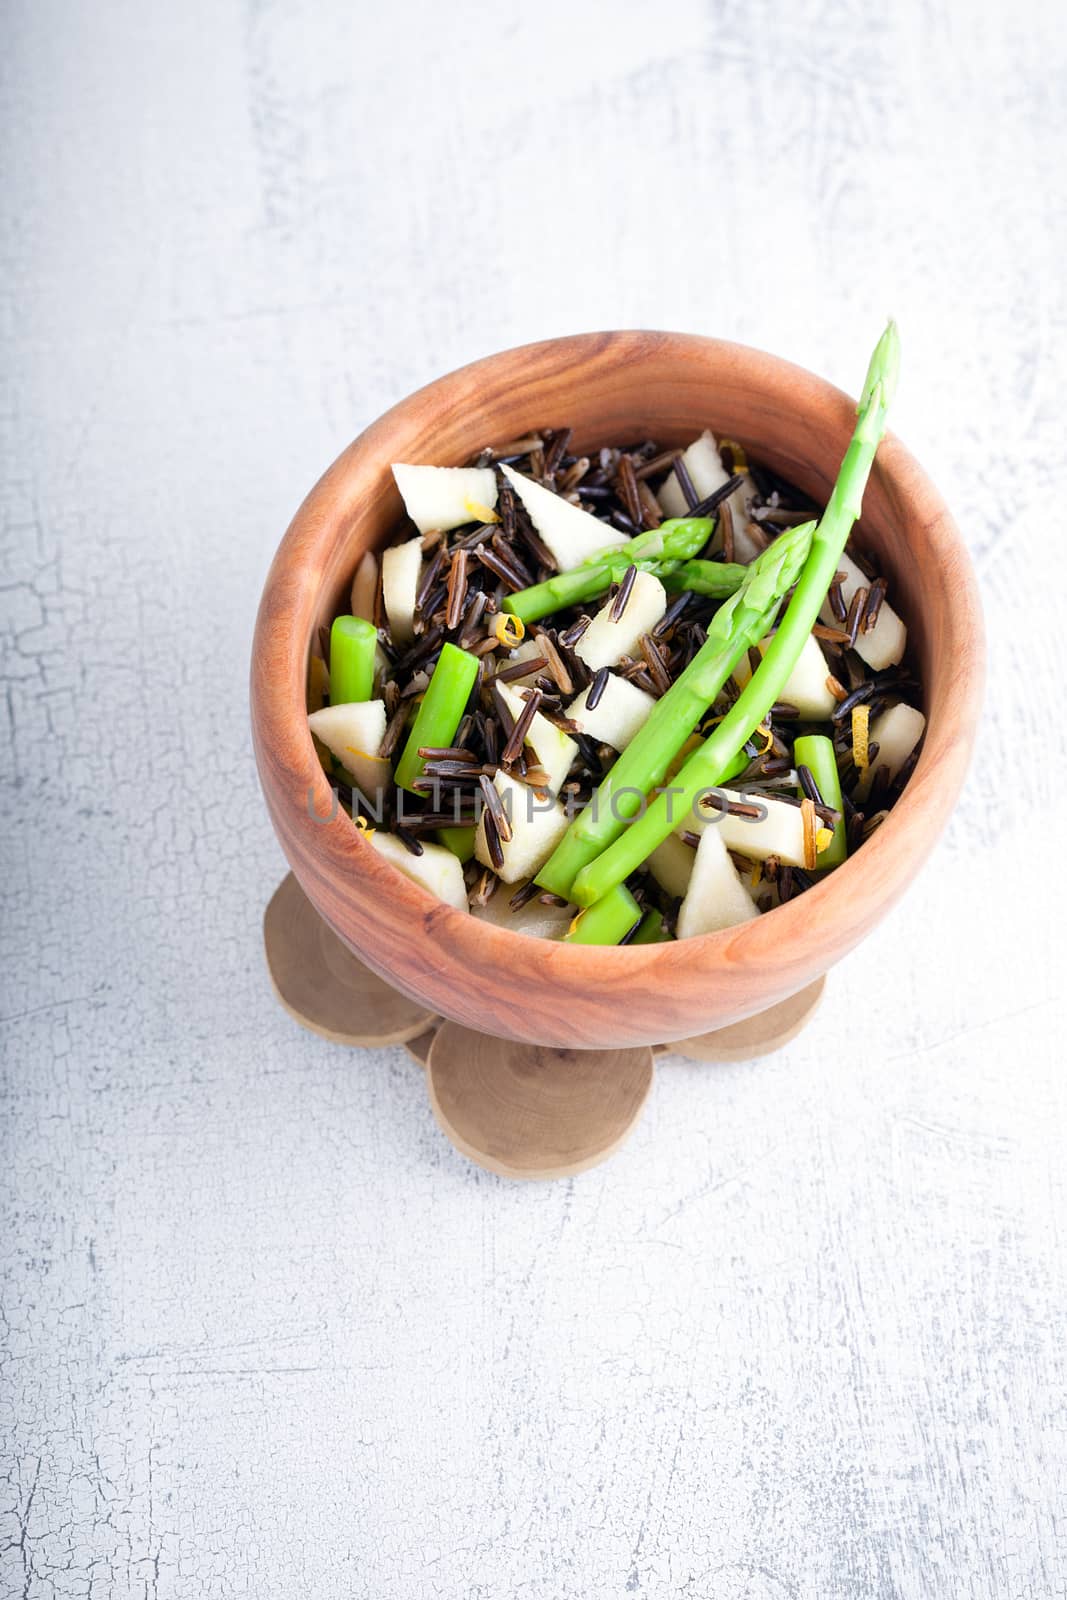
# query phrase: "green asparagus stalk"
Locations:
[[816, 752], [716, 578], [459, 840], [440, 713], [651, 930], [705, 766], [353, 642], [740, 622], [658, 550], [607, 922]]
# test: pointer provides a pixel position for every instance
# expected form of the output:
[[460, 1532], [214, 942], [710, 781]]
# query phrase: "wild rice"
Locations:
[[711, 503], [596, 689], [874, 604], [627, 487], [572, 634], [621, 600], [492, 838], [657, 668], [522, 896], [556, 451], [685, 483], [517, 738], [428, 581], [856, 612], [808, 784], [726, 524], [651, 510], [457, 590], [843, 709], [494, 811], [657, 464], [394, 728]]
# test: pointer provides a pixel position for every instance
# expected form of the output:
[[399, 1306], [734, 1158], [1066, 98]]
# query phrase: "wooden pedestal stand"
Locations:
[[524, 1111]]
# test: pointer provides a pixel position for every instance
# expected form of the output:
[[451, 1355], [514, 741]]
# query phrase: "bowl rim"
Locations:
[[891, 857]]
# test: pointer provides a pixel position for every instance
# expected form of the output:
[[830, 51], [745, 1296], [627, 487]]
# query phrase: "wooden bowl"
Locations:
[[609, 387]]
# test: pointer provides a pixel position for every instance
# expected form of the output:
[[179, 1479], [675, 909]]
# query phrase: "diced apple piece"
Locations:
[[706, 473], [445, 497], [553, 750], [400, 582], [671, 864], [806, 687], [779, 833], [437, 869], [353, 733], [885, 644], [605, 642], [717, 897], [572, 535], [896, 733], [365, 587], [622, 709], [535, 919], [536, 829]]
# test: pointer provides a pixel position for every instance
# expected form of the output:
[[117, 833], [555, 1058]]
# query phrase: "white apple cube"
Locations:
[[885, 644], [779, 831], [437, 869], [401, 566], [806, 687], [537, 920], [571, 534], [671, 864], [553, 750], [896, 732], [365, 587], [353, 734], [717, 897], [620, 712], [605, 641], [536, 829], [706, 473], [445, 497]]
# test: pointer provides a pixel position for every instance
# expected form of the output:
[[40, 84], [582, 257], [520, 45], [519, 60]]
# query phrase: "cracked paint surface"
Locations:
[[261, 1331]]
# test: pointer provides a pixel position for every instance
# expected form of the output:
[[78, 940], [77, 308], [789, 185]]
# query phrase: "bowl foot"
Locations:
[[520, 1110], [757, 1036], [531, 1111], [324, 986]]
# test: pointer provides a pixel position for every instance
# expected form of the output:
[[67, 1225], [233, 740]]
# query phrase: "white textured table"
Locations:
[[264, 1334]]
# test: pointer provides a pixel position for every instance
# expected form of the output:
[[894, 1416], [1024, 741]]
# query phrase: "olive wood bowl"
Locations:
[[609, 387]]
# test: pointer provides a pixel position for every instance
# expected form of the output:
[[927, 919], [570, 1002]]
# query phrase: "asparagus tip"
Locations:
[[884, 370]]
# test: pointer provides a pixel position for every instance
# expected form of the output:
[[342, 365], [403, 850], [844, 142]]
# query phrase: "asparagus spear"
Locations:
[[704, 577], [651, 930], [460, 840], [740, 622], [607, 922], [816, 752], [440, 713], [353, 642], [704, 768], [658, 550]]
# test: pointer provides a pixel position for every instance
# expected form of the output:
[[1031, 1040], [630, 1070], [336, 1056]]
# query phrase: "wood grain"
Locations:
[[323, 985], [758, 1035], [527, 1111], [610, 386]]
